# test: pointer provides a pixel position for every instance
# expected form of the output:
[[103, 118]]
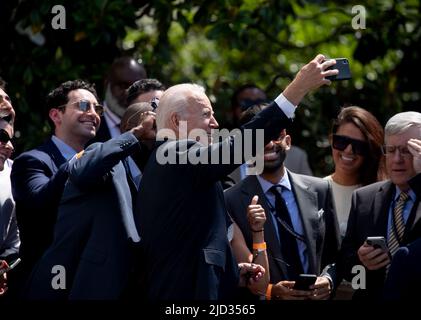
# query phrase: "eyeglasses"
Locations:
[[390, 150], [248, 103], [4, 136], [85, 106], [341, 142], [154, 103]]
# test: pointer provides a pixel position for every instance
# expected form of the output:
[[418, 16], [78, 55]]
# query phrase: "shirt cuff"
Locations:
[[287, 107]]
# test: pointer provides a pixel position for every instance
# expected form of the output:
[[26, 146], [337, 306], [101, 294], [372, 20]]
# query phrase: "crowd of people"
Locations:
[[96, 213]]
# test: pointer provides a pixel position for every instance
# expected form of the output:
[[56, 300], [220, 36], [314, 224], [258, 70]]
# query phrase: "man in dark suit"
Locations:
[[388, 208], [95, 232], [38, 176], [310, 221], [181, 204]]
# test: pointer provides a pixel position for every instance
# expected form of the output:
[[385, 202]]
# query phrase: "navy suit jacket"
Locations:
[[90, 240], [314, 201], [369, 217], [183, 218], [38, 177]]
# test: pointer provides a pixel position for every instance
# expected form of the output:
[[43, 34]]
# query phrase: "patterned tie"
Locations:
[[397, 227], [289, 247]]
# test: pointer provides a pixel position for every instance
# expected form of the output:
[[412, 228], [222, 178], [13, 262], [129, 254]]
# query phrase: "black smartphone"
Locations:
[[304, 281], [377, 242], [342, 64]]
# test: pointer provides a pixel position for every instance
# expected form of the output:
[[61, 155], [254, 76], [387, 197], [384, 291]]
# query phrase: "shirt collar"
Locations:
[[284, 181], [410, 193], [66, 151]]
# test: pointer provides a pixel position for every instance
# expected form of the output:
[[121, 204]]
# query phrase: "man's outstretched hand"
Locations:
[[310, 77]]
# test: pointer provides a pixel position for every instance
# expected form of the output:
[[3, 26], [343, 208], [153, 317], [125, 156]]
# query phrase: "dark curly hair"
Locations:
[[142, 86], [373, 168], [60, 95]]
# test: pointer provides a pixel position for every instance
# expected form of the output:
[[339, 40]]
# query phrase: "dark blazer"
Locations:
[[183, 218], [314, 201], [369, 217], [38, 177], [90, 240], [403, 281]]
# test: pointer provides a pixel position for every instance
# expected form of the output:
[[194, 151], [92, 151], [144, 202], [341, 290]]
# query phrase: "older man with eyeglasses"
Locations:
[[39, 175], [389, 209]]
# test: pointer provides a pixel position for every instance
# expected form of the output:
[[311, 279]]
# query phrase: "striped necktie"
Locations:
[[397, 227]]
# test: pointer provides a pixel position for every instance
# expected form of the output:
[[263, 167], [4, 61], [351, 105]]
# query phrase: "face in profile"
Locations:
[[348, 149]]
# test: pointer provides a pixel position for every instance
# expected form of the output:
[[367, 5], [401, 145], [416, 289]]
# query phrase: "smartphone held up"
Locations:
[[342, 65]]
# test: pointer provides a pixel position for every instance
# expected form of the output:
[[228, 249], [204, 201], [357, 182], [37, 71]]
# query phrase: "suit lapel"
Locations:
[[55, 154], [251, 188], [381, 209], [308, 210]]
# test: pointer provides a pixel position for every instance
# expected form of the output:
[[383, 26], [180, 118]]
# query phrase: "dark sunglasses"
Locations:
[[85, 106], [248, 103], [341, 142], [4, 136]]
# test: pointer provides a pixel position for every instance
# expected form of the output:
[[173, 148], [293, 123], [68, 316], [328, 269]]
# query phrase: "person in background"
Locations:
[[124, 71], [356, 140], [246, 97], [144, 90]]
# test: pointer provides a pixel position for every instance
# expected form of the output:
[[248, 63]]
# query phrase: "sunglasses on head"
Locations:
[[85, 106], [4, 136], [341, 142]]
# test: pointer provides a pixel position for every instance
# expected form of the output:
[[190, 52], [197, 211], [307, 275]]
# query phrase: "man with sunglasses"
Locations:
[[306, 239], [9, 233], [39, 175], [389, 209]]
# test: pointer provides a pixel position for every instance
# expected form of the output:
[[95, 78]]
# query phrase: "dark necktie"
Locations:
[[397, 227], [289, 247]]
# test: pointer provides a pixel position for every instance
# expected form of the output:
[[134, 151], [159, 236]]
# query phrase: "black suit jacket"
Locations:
[[369, 217], [38, 177], [90, 240], [314, 201], [183, 218]]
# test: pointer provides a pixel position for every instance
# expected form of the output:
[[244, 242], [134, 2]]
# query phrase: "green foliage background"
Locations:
[[220, 44]]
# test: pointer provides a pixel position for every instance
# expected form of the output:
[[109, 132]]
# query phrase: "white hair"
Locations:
[[176, 99], [403, 121]]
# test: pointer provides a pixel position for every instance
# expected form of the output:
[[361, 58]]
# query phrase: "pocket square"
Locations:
[[320, 213]]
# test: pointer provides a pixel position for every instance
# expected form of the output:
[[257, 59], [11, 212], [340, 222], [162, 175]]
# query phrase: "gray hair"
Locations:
[[176, 99], [403, 121]]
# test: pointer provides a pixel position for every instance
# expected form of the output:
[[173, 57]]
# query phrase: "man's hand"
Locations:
[[3, 278], [310, 77], [146, 130], [414, 146], [283, 290], [321, 290], [256, 215], [372, 258], [250, 273]]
